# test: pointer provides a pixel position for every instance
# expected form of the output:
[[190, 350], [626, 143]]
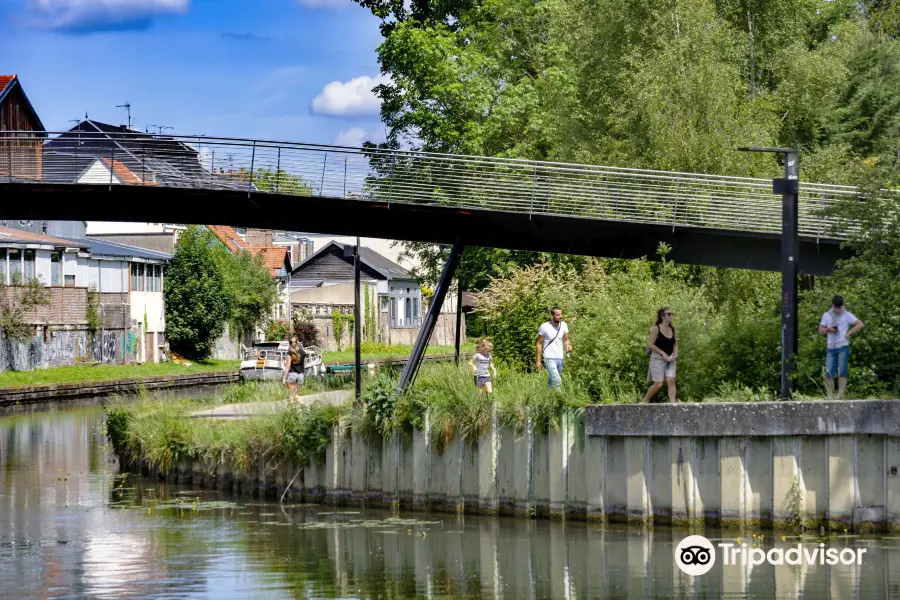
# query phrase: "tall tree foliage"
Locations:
[[250, 287], [196, 303], [664, 84]]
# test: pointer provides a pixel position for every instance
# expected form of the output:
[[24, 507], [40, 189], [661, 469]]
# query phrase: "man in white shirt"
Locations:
[[552, 335], [839, 325]]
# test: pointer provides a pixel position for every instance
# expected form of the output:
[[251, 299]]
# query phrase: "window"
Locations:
[[137, 277], [29, 265], [384, 303], [405, 306], [15, 265], [154, 283], [70, 281], [56, 268], [3, 265]]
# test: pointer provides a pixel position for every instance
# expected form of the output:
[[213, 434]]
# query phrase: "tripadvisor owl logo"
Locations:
[[695, 555]]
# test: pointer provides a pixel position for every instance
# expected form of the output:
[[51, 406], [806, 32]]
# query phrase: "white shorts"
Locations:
[[295, 378], [660, 370]]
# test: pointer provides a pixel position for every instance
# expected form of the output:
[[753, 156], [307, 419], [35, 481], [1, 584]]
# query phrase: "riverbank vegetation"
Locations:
[[78, 373], [162, 432]]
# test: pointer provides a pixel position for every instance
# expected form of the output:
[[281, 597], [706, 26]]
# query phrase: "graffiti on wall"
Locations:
[[67, 347], [105, 345], [60, 349], [130, 343]]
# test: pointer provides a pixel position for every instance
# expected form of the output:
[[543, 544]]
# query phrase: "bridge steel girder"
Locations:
[[414, 222], [411, 369]]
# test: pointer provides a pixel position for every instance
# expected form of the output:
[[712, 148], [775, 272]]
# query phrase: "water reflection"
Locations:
[[72, 527]]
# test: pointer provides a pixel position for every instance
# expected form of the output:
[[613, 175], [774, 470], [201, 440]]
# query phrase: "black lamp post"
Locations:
[[789, 188]]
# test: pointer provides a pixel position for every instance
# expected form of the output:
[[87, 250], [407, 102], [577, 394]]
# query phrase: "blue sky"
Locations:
[[298, 70]]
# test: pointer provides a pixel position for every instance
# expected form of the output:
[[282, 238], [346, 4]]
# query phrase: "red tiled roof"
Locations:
[[273, 256], [5, 79], [10, 235], [124, 174], [228, 236]]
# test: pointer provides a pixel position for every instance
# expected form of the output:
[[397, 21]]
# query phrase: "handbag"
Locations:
[[553, 340]]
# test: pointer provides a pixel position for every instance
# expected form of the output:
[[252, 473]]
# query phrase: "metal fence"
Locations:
[[520, 186]]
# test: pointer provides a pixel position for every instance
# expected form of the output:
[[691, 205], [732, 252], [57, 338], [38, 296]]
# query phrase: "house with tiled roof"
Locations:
[[86, 152], [20, 152], [325, 282], [104, 300]]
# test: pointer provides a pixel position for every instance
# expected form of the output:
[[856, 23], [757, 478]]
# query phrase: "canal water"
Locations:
[[71, 526]]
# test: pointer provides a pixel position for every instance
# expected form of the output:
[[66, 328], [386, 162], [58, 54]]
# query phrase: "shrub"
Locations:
[[305, 328], [277, 330], [380, 400]]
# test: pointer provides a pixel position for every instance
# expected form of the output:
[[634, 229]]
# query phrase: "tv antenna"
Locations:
[[160, 128], [127, 107]]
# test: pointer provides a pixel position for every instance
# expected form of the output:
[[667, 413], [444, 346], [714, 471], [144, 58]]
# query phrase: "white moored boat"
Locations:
[[265, 361]]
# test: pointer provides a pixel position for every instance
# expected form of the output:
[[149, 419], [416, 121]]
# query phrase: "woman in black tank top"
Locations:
[[663, 346], [294, 366]]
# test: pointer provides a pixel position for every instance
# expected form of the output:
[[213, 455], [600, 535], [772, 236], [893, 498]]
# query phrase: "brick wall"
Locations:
[[259, 237], [66, 306]]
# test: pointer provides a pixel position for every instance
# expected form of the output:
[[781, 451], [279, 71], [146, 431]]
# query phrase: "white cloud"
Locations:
[[353, 98], [352, 137], [99, 15], [355, 136]]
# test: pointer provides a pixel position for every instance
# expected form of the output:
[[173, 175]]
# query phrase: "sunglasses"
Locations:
[[668, 314]]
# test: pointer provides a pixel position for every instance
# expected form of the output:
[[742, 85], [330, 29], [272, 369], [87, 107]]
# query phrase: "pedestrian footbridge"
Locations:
[[418, 196]]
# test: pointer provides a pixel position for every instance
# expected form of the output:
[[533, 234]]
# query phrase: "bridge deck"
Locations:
[[555, 207]]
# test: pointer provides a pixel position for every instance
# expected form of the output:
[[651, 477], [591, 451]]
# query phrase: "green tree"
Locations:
[[338, 322], [282, 182], [197, 304], [251, 289]]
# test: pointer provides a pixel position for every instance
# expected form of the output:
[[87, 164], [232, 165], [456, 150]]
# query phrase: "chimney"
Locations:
[[259, 237]]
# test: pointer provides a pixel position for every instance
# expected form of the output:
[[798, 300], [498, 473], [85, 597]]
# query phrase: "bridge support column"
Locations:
[[789, 188], [418, 352], [790, 259]]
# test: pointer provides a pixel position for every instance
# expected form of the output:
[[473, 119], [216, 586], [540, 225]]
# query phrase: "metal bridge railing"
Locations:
[[521, 186]]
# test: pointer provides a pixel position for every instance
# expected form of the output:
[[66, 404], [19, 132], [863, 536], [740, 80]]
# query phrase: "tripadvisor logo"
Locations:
[[695, 555]]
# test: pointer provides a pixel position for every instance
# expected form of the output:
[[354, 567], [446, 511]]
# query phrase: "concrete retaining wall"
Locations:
[[842, 480]]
